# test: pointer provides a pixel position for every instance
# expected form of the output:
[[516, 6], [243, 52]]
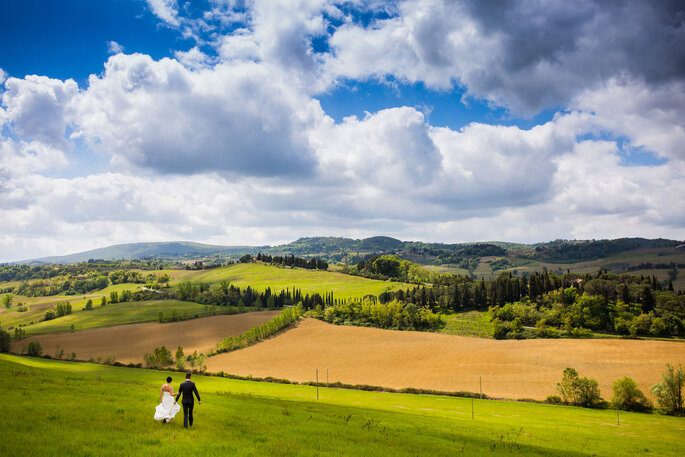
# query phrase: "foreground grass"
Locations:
[[260, 276], [61, 408], [116, 314]]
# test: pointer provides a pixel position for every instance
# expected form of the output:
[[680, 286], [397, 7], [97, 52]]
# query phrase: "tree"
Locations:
[[578, 391], [160, 357], [103, 301], [7, 300], [34, 349], [669, 392], [628, 397], [5, 339], [89, 305], [180, 359], [113, 297]]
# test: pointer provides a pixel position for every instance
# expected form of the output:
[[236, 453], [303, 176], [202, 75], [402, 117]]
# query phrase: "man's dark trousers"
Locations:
[[187, 389], [188, 414]]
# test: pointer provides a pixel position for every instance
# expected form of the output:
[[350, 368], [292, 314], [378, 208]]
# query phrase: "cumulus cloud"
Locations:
[[526, 56], [240, 118], [36, 107], [238, 149]]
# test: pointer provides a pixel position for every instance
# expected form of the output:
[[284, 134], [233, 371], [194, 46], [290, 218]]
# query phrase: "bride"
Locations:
[[168, 407]]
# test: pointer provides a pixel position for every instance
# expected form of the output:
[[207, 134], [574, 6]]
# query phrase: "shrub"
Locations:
[[628, 397], [89, 305], [669, 392], [50, 315], [34, 349], [554, 400], [578, 391]]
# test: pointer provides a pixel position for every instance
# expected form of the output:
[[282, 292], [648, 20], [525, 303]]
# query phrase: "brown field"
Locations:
[[129, 343], [509, 369]]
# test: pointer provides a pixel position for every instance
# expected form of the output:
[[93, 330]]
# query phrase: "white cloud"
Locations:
[[166, 10], [241, 118], [36, 107], [114, 48], [522, 55]]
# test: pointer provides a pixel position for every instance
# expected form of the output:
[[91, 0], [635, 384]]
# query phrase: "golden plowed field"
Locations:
[[509, 369], [129, 343]]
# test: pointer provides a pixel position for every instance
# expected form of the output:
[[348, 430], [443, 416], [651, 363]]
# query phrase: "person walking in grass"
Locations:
[[187, 389]]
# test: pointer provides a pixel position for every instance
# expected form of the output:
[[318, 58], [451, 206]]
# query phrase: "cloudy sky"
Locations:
[[257, 122]]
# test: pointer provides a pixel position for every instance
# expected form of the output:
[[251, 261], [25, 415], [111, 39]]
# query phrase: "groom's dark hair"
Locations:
[[187, 375]]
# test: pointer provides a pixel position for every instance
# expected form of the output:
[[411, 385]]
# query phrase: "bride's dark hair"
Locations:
[[168, 379]]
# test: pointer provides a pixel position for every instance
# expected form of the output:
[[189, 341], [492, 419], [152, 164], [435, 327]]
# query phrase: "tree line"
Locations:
[[292, 261]]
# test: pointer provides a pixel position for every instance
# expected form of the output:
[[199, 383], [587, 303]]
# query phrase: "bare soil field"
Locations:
[[509, 369], [129, 343]]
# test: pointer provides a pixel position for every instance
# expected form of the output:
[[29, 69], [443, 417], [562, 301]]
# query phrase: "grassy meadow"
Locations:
[[260, 276], [62, 408], [114, 314]]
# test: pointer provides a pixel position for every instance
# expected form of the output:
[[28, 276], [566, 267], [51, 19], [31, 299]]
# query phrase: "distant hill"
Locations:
[[160, 250], [350, 251]]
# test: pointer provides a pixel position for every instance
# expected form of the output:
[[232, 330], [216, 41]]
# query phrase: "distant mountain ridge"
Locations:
[[128, 251], [332, 247]]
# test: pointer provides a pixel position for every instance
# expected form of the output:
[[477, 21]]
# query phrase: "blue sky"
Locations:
[[265, 121]]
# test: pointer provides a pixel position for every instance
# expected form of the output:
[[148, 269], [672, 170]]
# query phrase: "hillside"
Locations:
[[163, 250]]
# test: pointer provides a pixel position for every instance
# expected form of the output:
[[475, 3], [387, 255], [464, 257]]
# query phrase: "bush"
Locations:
[[578, 391], [89, 305], [50, 315], [554, 400], [628, 397], [34, 349], [669, 392]]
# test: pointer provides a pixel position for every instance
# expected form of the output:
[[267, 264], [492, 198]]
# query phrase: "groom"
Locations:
[[187, 389]]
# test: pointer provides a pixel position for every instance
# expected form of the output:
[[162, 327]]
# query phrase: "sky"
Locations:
[[241, 122]]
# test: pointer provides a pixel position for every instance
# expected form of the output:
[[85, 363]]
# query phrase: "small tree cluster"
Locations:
[[34, 349], [286, 317], [160, 357], [628, 397], [669, 392], [578, 391]]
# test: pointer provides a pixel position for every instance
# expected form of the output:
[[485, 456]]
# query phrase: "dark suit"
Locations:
[[187, 389]]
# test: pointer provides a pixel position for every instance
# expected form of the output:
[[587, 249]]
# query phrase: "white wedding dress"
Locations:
[[167, 409]]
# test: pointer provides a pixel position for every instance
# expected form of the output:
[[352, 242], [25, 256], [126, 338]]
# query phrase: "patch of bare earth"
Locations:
[[509, 369], [129, 343]]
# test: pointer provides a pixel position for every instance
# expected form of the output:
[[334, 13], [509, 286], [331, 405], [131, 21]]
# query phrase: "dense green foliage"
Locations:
[[564, 251], [292, 261], [369, 313], [160, 357], [286, 318], [391, 267]]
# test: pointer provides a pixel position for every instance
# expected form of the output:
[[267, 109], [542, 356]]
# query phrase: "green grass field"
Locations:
[[56, 408], [259, 276], [37, 306], [471, 323], [114, 314]]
